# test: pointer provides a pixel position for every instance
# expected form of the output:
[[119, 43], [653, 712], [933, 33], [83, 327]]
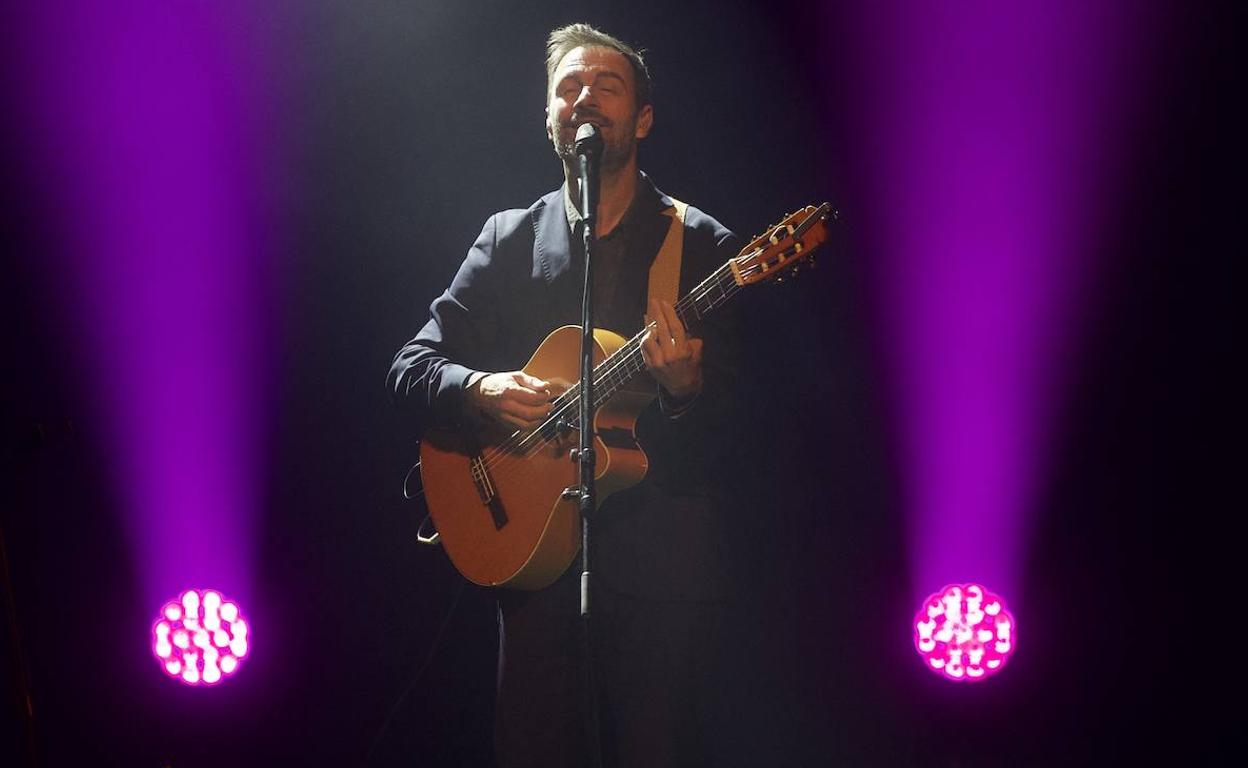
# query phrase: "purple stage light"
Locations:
[[201, 638], [964, 632]]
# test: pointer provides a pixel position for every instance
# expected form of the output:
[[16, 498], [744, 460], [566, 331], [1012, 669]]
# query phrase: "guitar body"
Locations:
[[500, 513]]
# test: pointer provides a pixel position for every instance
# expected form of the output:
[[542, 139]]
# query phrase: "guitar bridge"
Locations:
[[485, 490]]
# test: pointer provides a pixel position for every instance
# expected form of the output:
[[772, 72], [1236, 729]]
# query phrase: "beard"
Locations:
[[617, 145]]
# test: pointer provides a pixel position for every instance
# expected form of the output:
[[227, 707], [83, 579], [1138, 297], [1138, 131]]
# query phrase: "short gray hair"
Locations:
[[565, 39]]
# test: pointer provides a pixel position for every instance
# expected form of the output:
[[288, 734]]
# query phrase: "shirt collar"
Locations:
[[574, 215]]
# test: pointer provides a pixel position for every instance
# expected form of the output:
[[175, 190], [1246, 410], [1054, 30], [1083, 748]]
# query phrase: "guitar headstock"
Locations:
[[784, 247]]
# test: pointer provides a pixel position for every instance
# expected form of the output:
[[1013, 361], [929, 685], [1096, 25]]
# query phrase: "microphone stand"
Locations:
[[588, 150]]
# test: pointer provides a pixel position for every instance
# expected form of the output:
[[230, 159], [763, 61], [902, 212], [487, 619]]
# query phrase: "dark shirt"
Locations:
[[610, 252]]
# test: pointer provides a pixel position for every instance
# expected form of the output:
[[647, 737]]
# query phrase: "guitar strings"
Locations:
[[607, 372], [610, 372], [615, 370]]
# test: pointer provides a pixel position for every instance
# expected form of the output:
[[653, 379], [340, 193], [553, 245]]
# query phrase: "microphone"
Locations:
[[589, 141], [588, 151]]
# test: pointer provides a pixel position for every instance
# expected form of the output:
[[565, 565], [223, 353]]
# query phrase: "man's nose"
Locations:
[[587, 96]]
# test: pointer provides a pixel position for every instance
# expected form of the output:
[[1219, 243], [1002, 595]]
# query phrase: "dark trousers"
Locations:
[[653, 662]]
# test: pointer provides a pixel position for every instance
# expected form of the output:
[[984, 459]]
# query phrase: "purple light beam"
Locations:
[[146, 124], [987, 137]]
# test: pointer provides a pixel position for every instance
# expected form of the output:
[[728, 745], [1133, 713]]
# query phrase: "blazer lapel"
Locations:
[[551, 242]]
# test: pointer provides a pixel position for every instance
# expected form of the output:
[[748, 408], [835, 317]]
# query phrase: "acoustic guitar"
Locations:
[[499, 505]]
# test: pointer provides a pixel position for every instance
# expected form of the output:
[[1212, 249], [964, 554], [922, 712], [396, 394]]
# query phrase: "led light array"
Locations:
[[201, 638], [964, 633]]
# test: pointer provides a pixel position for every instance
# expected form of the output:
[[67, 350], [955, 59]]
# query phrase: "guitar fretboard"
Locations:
[[626, 362]]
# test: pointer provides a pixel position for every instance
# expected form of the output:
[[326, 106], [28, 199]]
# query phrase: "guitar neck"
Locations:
[[626, 362]]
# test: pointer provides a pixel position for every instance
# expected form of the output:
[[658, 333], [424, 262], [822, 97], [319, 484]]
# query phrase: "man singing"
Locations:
[[656, 543]]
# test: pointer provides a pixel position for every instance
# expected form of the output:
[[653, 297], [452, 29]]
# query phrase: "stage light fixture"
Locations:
[[964, 633], [201, 638]]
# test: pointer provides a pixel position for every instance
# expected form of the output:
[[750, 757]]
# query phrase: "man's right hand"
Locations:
[[512, 397]]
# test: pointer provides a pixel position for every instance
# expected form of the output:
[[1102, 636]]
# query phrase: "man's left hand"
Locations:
[[672, 357]]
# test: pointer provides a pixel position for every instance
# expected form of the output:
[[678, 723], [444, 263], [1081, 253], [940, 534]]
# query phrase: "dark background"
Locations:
[[410, 126]]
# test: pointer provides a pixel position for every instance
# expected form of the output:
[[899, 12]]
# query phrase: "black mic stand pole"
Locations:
[[588, 150]]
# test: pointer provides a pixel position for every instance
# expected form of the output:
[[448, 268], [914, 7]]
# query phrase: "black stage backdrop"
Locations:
[[415, 123]]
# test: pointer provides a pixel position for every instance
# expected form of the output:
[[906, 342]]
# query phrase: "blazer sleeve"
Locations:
[[428, 375]]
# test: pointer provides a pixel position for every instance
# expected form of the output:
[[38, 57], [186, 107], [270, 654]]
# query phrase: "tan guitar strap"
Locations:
[[665, 271]]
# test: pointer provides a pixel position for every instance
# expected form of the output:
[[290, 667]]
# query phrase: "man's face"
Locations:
[[595, 85]]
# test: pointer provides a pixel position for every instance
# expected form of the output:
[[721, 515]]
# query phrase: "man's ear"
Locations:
[[550, 134], [645, 120]]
